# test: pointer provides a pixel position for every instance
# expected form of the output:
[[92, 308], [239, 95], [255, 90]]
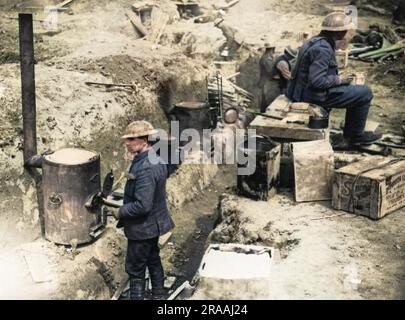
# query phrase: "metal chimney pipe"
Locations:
[[31, 159], [28, 85]]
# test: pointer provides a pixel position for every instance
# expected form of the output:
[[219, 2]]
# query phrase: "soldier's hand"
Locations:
[[346, 80], [115, 213]]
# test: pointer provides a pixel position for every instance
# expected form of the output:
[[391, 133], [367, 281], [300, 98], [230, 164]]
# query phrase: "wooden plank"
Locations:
[[124, 285], [162, 28], [109, 84], [156, 16], [226, 6], [39, 267], [174, 295], [280, 104], [230, 4], [64, 3], [136, 21], [283, 130], [232, 76], [239, 89]]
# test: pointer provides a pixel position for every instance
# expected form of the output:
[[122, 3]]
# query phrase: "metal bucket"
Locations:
[[70, 177], [263, 182]]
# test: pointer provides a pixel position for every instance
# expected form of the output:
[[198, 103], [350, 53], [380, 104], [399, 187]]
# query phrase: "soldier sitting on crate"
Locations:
[[315, 80]]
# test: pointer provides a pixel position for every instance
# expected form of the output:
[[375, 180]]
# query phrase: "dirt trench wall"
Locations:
[[243, 225], [71, 113], [188, 181], [249, 76]]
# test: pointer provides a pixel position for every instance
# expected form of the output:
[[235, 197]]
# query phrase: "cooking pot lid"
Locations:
[[193, 105]]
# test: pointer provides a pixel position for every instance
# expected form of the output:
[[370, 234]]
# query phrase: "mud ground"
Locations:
[[321, 253]]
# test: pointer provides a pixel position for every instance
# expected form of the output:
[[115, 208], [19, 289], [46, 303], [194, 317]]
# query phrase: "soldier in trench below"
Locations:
[[144, 215], [282, 68], [269, 88], [275, 72]]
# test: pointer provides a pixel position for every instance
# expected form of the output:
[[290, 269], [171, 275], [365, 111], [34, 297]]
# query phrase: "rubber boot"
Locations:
[[159, 294], [367, 137], [136, 289], [157, 278]]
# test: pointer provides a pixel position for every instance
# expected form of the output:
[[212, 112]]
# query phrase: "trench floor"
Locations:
[[194, 221]]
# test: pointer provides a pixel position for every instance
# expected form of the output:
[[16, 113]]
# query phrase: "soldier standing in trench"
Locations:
[[282, 68], [315, 79], [269, 88], [144, 215], [274, 74]]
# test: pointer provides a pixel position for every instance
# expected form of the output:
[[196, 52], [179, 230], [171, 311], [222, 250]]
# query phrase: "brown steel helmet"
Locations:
[[290, 52], [139, 129], [337, 21], [268, 45]]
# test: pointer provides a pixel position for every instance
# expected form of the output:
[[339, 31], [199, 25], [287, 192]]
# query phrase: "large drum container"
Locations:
[[192, 115], [70, 177]]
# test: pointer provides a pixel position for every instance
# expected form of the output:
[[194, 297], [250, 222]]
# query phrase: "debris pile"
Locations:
[[228, 101], [378, 43], [150, 18]]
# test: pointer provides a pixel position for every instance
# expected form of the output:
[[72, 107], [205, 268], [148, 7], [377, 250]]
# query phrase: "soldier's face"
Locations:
[[340, 35], [135, 145]]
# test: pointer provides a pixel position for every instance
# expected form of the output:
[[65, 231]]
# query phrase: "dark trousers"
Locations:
[[356, 100], [142, 254]]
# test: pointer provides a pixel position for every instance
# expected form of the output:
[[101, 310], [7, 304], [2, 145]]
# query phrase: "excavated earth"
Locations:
[[320, 253]]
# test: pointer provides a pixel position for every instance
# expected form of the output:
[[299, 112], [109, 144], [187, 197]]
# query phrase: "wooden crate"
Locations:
[[313, 170], [373, 187]]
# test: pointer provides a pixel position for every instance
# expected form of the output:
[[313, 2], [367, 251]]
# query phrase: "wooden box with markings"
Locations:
[[372, 187]]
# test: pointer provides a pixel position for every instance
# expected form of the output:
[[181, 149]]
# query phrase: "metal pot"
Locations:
[[318, 122]]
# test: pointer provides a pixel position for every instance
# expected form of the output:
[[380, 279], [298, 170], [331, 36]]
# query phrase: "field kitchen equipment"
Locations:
[[70, 178], [287, 122], [72, 197], [192, 115], [68, 189], [318, 117], [262, 183]]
